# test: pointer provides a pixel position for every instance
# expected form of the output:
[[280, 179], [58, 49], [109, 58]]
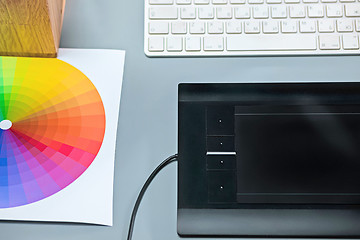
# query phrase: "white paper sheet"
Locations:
[[89, 199]]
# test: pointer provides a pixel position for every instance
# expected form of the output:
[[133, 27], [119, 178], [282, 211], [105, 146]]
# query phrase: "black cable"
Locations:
[[167, 161]]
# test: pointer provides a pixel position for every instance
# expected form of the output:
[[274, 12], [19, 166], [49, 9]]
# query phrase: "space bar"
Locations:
[[270, 42]]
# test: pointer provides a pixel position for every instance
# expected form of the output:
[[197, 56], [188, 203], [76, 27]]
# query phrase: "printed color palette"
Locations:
[[52, 124]]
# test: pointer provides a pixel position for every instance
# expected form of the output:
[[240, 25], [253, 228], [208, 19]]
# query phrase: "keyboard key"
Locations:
[[357, 23], [201, 1], [347, 1], [345, 25], [161, 2], [237, 1], [334, 10], [260, 11], [233, 27], [193, 44], [252, 27], [213, 43], [297, 11], [352, 10], [288, 26], [224, 12], [329, 1], [215, 27], [206, 13], [158, 28], [350, 42], [279, 11], [163, 13], [274, 1], [307, 26], [188, 13], [271, 27], [219, 1], [310, 1], [316, 11], [242, 12], [174, 44], [329, 42], [178, 27], [156, 44], [292, 1], [270, 42], [197, 27], [255, 1], [183, 2], [326, 25]]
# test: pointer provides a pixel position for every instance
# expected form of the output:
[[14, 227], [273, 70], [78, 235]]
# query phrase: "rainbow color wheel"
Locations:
[[52, 124]]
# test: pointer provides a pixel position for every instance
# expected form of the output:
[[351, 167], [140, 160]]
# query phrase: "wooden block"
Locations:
[[30, 27]]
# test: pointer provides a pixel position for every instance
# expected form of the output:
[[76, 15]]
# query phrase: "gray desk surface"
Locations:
[[148, 114]]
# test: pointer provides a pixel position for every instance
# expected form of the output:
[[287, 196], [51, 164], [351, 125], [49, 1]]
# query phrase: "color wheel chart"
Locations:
[[52, 124]]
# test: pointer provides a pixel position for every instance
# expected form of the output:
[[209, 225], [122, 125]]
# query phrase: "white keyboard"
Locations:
[[251, 27]]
